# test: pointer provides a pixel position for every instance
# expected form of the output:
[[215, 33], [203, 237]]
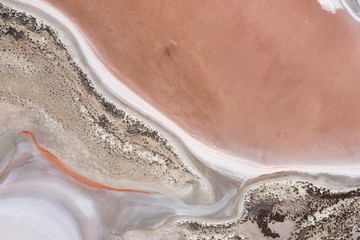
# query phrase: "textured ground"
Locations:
[[36, 69], [40, 77], [282, 209]]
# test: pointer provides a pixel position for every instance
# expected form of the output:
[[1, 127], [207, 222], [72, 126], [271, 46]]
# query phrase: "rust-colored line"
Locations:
[[58, 164], [6, 168]]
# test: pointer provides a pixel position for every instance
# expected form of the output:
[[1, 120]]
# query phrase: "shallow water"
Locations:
[[46, 203]]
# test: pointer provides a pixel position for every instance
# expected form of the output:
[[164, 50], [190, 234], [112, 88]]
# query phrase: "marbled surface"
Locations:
[[79, 162]]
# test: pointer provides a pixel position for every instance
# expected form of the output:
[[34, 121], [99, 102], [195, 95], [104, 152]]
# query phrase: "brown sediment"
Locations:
[[268, 81], [61, 166]]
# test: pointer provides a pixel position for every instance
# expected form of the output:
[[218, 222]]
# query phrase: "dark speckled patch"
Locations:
[[280, 210]]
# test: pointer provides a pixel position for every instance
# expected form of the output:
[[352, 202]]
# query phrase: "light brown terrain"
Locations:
[[43, 88], [266, 80]]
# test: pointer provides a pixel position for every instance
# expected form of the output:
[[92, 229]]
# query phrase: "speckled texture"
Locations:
[[290, 209], [39, 75], [36, 68]]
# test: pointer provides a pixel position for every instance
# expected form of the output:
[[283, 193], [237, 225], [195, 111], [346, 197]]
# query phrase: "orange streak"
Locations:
[[58, 164], [6, 168]]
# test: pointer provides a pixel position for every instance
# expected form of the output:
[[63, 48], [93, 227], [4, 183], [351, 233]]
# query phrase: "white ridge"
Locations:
[[331, 5]]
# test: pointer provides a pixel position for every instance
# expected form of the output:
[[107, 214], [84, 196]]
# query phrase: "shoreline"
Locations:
[[266, 194], [123, 150], [229, 165], [239, 223]]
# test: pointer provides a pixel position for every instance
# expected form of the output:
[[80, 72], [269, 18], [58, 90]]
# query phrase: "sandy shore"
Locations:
[[121, 147]]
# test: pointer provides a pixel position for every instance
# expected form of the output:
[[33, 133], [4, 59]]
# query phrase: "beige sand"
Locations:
[[113, 146], [267, 81]]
